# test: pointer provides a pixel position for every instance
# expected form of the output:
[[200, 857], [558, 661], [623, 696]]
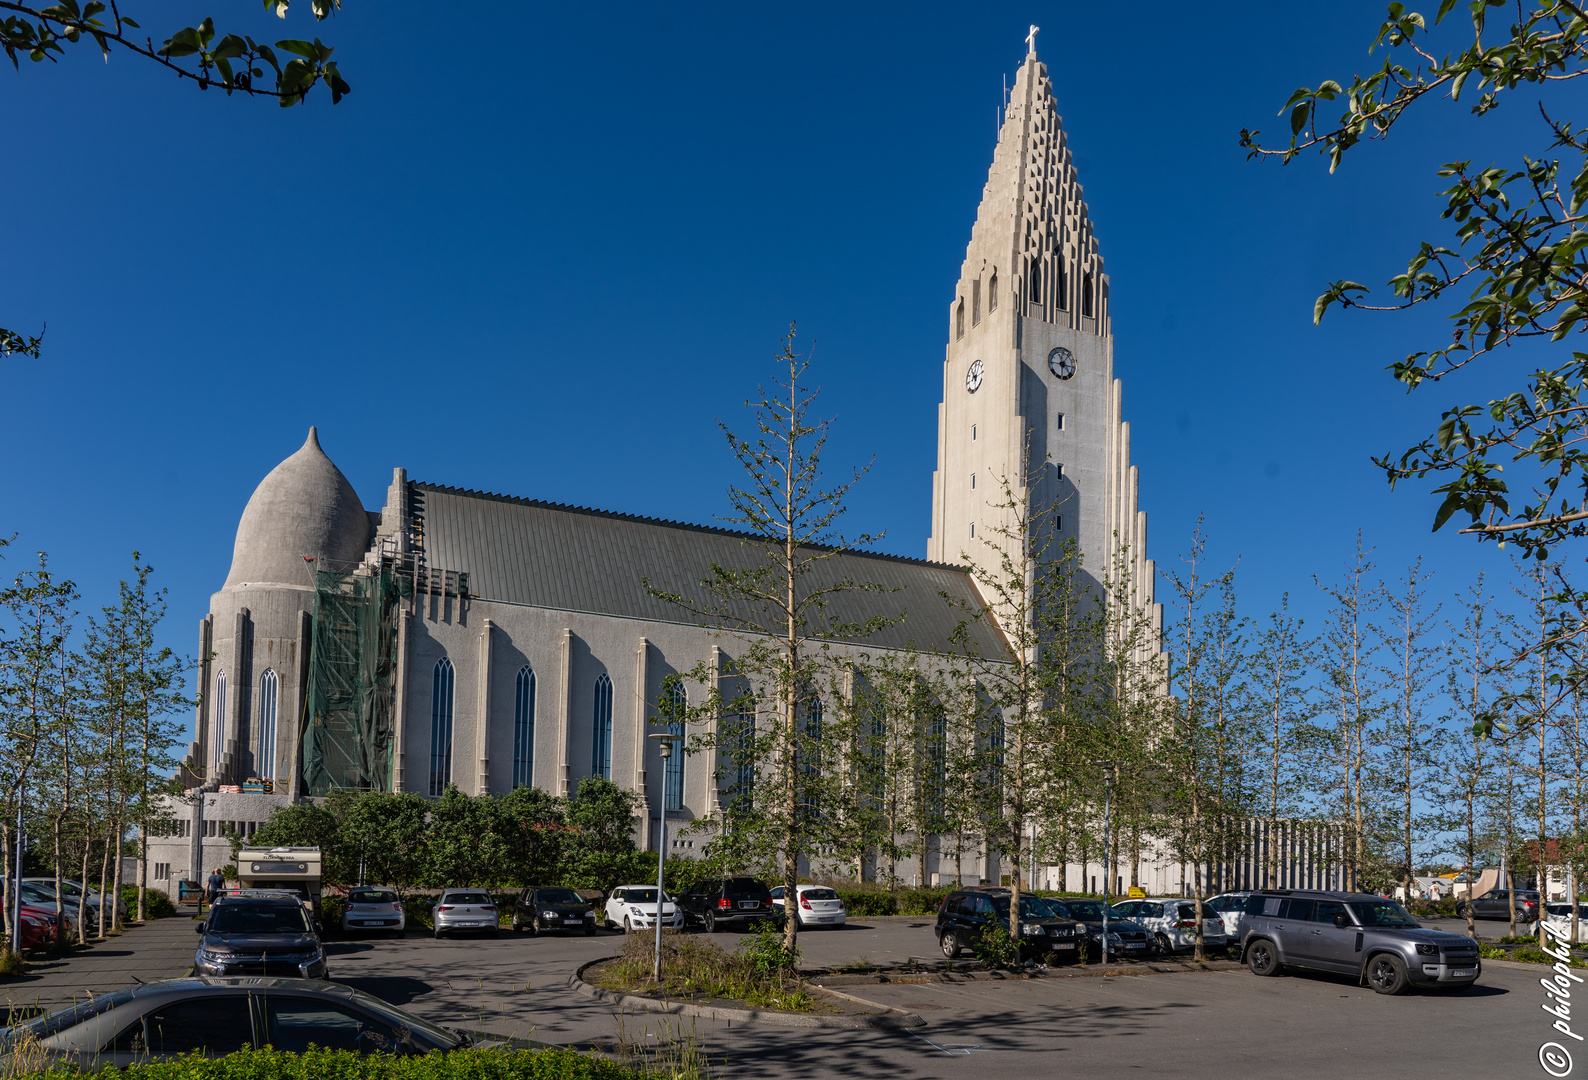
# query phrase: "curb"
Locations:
[[891, 1018], [1090, 971]]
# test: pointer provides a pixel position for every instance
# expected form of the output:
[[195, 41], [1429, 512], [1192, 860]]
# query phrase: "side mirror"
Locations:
[[199, 929], [1340, 920]]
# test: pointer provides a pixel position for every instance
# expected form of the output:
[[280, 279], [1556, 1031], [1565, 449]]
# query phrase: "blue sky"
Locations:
[[541, 253]]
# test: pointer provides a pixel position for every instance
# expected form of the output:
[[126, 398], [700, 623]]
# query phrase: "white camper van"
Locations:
[[294, 869]]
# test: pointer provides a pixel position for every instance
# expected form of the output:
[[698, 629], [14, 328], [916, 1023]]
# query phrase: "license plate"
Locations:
[[1462, 971], [1134, 945], [1065, 945], [749, 903]]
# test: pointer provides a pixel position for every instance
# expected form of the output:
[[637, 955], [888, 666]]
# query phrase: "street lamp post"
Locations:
[[664, 743], [1108, 784]]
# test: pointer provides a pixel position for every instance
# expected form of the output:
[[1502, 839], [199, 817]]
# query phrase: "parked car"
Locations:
[[74, 892], [212, 1017], [544, 909], [368, 909], [1126, 939], [259, 935], [818, 905], [464, 910], [966, 914], [1230, 907], [1357, 934], [45, 900], [719, 903], [1172, 922], [1496, 904], [38, 927], [633, 907], [1558, 918]]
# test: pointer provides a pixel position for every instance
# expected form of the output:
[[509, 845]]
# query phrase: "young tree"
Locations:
[[779, 609], [1411, 669], [1279, 662]]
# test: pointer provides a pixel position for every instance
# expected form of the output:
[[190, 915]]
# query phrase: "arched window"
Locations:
[[992, 292], [218, 724], [673, 779], [1062, 286], [1036, 282], [441, 727], [810, 756], [959, 319], [268, 690], [975, 302], [524, 728], [601, 740], [736, 736], [1086, 296]]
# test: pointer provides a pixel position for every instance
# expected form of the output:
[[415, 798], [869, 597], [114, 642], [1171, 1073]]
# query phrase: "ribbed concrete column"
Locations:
[[642, 682], [713, 782], [482, 727], [565, 715]]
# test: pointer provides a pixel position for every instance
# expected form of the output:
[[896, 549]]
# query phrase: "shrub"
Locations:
[[1493, 952], [1532, 954], [694, 968], [995, 947], [156, 904], [346, 1065], [11, 963]]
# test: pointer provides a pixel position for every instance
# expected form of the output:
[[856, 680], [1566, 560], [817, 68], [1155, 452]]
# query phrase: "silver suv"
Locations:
[[1356, 934]]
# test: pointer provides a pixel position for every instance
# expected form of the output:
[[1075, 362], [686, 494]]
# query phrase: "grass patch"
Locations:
[[693, 969], [1532, 954], [11, 963]]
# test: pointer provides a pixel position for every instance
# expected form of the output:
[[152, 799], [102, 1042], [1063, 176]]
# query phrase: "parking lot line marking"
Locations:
[[952, 1048]]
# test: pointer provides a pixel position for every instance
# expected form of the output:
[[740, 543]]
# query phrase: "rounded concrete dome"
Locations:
[[305, 507]]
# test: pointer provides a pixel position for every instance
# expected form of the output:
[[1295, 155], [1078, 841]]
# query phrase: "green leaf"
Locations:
[[1298, 117], [301, 48]]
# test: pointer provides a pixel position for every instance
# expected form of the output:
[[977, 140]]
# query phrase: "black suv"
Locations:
[[259, 935], [1126, 939], [967, 913], [544, 909], [735, 901], [1356, 934]]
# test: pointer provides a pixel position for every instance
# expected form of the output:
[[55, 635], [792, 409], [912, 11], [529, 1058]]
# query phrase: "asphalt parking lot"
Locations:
[[1202, 1024]]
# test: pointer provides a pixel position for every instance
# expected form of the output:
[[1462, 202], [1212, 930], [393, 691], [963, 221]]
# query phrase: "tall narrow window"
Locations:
[[601, 736], [973, 433], [959, 319], [218, 724], [736, 736], [1061, 286], [992, 292], [1036, 283], [1061, 421], [810, 757], [524, 728], [1058, 472], [973, 481], [975, 302], [268, 690], [1086, 296], [441, 726], [973, 529], [673, 777], [936, 779]]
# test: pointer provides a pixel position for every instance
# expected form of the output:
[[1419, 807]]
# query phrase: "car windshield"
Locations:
[[819, 894], [50, 1023], [1031, 907], [744, 889], [372, 896], [559, 896], [1086, 910], [1564, 910], [260, 918], [639, 896], [70, 888], [440, 1036], [466, 898], [1382, 913]]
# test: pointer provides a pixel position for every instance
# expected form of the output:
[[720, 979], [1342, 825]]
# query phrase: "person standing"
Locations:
[[215, 885]]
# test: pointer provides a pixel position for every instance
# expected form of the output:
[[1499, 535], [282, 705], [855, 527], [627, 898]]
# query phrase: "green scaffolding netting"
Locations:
[[348, 726]]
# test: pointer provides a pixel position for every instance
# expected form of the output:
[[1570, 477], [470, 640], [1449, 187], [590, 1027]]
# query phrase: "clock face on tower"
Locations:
[[1061, 363], [973, 377]]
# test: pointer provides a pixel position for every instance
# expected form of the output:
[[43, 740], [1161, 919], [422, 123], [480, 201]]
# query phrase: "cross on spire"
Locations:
[[1031, 40]]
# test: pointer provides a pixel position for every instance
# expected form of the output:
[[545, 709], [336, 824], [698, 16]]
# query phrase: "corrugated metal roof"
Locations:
[[523, 551]]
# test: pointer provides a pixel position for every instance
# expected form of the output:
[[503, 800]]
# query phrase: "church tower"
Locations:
[[1030, 360]]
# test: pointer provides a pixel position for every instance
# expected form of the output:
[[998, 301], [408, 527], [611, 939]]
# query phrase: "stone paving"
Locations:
[[159, 949]]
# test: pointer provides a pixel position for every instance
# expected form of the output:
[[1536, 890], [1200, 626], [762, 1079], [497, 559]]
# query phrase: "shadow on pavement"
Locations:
[[397, 989]]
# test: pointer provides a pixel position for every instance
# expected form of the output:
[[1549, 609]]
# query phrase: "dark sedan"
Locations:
[[543, 909], [259, 935], [214, 1017], [1496, 904], [1126, 939]]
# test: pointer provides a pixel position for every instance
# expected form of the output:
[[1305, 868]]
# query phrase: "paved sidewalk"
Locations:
[[160, 949]]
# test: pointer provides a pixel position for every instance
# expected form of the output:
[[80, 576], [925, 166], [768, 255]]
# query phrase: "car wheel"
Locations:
[[711, 922], [628, 927], [1461, 910], [589, 930], [516, 928], [1261, 958], [496, 931], [949, 943], [536, 928], [1386, 974], [435, 932], [1162, 942]]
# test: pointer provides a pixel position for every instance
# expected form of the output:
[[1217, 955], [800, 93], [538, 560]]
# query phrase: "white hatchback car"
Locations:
[[818, 906], [633, 907], [368, 909], [1172, 923], [1230, 907], [1557, 916]]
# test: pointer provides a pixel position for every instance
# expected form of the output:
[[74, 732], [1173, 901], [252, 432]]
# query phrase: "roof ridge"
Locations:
[[669, 523]]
